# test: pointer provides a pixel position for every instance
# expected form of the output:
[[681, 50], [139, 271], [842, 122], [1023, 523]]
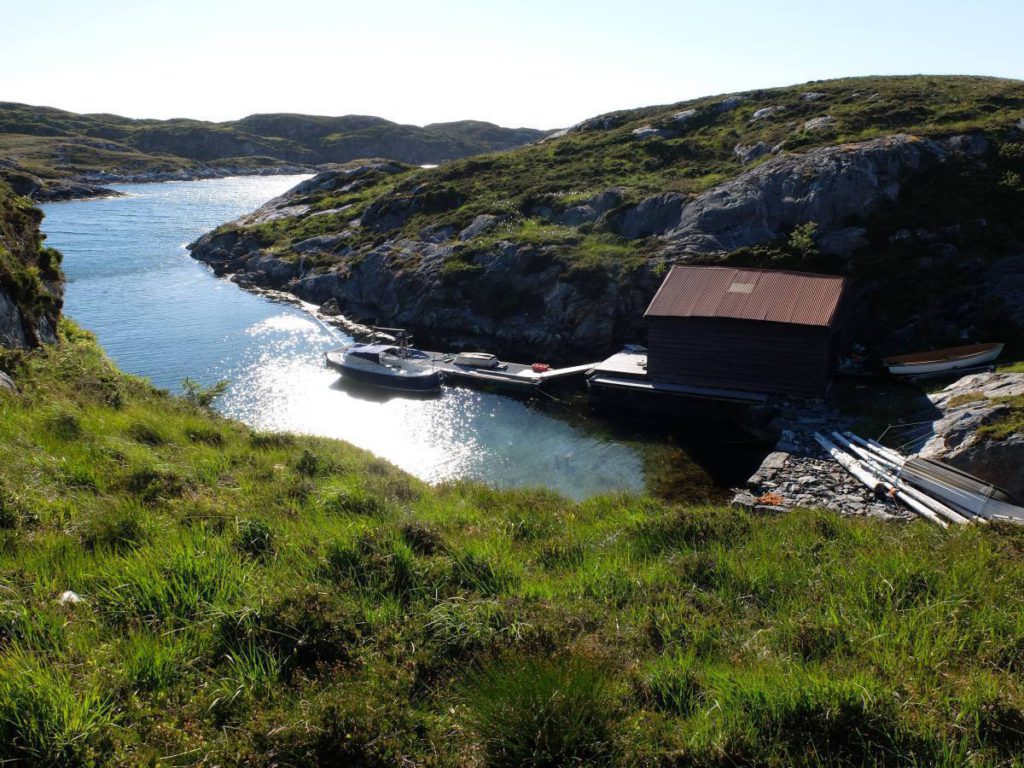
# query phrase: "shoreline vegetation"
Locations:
[[242, 598]]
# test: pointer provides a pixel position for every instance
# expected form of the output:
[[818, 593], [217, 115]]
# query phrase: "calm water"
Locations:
[[162, 315]]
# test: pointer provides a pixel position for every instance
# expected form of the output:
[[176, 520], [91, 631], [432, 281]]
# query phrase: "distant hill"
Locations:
[[45, 152]]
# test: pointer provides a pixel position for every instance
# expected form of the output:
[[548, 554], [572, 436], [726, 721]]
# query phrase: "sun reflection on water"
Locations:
[[162, 315]]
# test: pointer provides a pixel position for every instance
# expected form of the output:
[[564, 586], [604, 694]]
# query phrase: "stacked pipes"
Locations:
[[879, 467]]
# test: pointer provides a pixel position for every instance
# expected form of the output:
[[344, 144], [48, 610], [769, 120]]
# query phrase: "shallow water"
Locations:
[[162, 315]]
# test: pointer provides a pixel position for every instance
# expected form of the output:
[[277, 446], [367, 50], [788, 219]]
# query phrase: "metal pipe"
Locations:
[[865, 475], [934, 504]]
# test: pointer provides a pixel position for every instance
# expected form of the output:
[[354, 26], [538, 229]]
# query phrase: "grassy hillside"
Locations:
[[54, 144], [534, 182], [257, 599]]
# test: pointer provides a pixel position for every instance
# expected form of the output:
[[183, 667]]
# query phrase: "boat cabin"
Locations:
[[754, 330], [373, 352]]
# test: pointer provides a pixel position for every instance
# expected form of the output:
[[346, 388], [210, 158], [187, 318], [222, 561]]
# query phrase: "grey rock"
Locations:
[[970, 145], [649, 132], [943, 251], [728, 104], [768, 112], [954, 434], [819, 123], [389, 213], [813, 96], [685, 116], [599, 123], [747, 153], [1004, 288], [591, 209], [7, 383], [12, 331], [824, 185], [321, 243], [481, 225], [652, 216], [842, 241]]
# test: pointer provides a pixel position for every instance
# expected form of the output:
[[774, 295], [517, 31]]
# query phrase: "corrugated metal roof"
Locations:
[[776, 296]]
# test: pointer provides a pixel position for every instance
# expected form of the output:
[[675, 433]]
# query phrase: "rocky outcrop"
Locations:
[[425, 282], [966, 406], [31, 283], [826, 186], [522, 299]]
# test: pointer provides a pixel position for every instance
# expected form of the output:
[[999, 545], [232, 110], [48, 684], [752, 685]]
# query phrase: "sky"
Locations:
[[523, 63]]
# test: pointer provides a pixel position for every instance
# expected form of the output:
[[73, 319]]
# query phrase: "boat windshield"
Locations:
[[372, 352]]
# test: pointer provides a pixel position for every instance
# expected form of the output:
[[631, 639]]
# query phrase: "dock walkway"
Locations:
[[509, 376]]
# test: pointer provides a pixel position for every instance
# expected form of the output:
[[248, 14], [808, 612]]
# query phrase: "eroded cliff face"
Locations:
[[31, 283], [469, 285]]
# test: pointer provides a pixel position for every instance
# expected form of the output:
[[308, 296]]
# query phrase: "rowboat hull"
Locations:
[[942, 360]]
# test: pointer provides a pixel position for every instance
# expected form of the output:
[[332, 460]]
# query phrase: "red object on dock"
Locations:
[[540, 367]]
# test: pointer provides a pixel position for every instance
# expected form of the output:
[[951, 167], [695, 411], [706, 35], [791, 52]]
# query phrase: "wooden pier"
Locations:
[[623, 376], [512, 378]]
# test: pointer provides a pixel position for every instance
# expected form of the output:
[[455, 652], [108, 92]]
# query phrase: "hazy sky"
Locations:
[[539, 64]]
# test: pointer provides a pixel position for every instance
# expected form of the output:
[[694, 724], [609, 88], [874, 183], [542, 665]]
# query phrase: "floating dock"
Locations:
[[516, 378]]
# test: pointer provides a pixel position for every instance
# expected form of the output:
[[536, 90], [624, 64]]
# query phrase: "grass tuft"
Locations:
[[541, 712]]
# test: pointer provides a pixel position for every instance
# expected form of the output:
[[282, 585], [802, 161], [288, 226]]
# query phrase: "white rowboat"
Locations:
[[940, 360]]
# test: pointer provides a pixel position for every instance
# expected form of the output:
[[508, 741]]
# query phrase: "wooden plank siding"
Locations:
[[749, 355]]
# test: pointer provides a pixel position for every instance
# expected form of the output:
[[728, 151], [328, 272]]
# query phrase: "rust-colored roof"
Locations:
[[775, 296]]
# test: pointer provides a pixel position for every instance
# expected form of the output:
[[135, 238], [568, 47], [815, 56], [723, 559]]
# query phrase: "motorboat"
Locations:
[[942, 360], [386, 366]]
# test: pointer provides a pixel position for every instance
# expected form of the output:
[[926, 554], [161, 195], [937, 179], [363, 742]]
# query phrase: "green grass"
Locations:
[[1006, 424], [259, 599]]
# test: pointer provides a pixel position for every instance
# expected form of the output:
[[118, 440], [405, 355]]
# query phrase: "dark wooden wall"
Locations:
[[748, 355]]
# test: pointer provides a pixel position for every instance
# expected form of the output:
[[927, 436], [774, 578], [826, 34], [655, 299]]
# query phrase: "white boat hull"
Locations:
[[940, 366]]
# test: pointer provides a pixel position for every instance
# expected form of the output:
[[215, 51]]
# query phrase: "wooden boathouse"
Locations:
[[772, 332]]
